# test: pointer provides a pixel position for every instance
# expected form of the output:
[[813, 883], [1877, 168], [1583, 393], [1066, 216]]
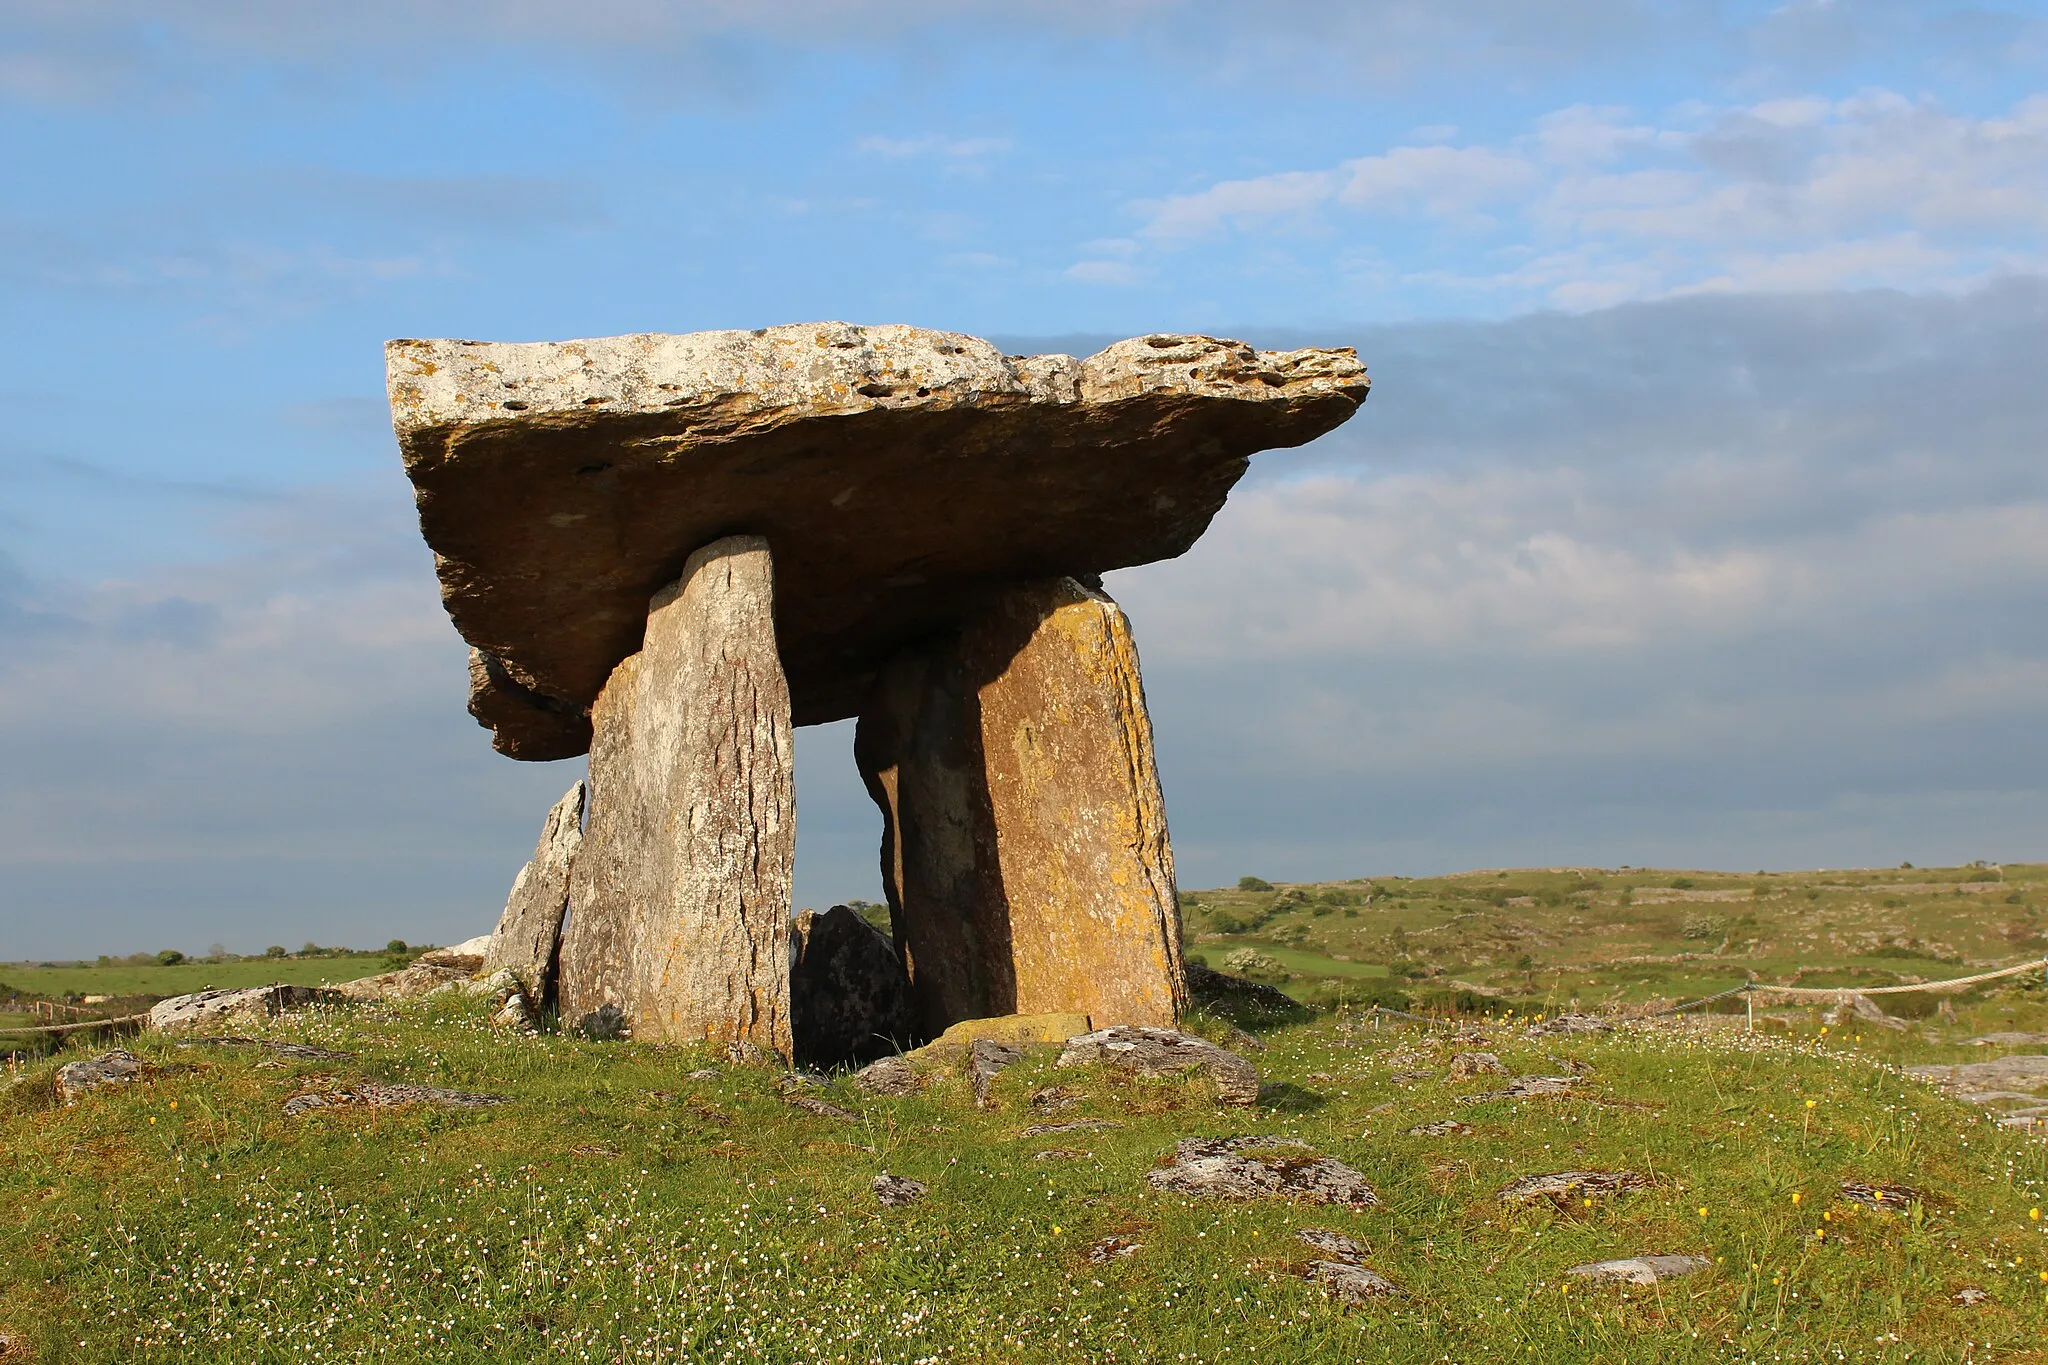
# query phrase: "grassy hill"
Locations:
[[639, 1203]]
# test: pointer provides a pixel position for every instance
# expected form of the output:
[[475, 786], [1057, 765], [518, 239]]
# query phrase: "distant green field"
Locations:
[[186, 976], [1304, 963]]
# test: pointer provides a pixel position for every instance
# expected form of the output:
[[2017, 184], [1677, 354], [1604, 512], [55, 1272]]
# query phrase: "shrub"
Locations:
[[274, 950], [1223, 922], [169, 957], [1254, 884], [1681, 883], [1255, 964], [395, 947]]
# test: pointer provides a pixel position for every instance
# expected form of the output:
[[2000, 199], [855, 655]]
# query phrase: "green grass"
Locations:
[[621, 1210], [185, 977]]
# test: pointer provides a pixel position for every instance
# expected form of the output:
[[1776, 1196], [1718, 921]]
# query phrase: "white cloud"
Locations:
[[1119, 274], [1592, 206]]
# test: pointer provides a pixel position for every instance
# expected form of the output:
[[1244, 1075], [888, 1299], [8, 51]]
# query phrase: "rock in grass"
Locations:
[[1969, 1296], [182, 1012], [810, 1104], [1210, 987], [893, 1076], [1440, 1128], [379, 1095], [1332, 1244], [407, 983], [1640, 1269], [2007, 1039], [1349, 1283], [1562, 1186], [897, 1190], [1466, 1065], [118, 1067], [1071, 1126], [298, 1052], [1523, 1087], [1112, 1248], [515, 1015], [1565, 1024], [986, 1060], [1895, 1198], [1165, 1052], [1260, 1168]]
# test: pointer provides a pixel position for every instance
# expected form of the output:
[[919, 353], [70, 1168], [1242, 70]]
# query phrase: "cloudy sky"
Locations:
[[1699, 516]]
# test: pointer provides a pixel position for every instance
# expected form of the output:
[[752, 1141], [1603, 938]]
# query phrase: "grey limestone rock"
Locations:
[[849, 997], [896, 470], [1640, 1269], [893, 1076], [1565, 1024], [1524, 1087], [1440, 1128], [118, 1067], [1466, 1065], [407, 983], [528, 939], [681, 887], [181, 1012], [1165, 1052], [1892, 1198], [1561, 1186], [2008, 1039], [297, 1052], [897, 1190], [986, 1060], [1071, 1126], [824, 1109], [1333, 1244], [1260, 1168], [382, 1095], [1350, 1283]]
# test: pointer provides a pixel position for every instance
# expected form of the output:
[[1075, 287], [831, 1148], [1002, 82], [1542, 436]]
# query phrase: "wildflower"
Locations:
[[1821, 1233], [1811, 1103], [2034, 1214], [1795, 1196], [1703, 1211]]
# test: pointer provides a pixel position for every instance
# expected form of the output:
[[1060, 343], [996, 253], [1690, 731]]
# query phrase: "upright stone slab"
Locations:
[[679, 898], [528, 938], [849, 1000], [1025, 848]]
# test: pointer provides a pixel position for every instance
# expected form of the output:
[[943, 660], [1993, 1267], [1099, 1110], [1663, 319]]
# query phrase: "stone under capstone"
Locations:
[[903, 477]]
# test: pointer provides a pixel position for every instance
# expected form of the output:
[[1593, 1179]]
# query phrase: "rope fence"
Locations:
[[1849, 993]]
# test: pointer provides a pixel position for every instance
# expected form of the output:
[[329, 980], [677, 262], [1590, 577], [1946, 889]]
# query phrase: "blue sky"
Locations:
[[1697, 516]]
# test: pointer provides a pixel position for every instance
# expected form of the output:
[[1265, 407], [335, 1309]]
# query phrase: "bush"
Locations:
[[1254, 964], [169, 957], [1254, 884], [395, 947], [274, 950]]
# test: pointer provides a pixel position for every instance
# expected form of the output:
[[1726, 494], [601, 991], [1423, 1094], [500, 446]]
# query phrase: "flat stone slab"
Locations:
[[200, 1008], [1165, 1052], [380, 1095], [1561, 1187], [1260, 1168], [119, 1067], [1640, 1269], [900, 476]]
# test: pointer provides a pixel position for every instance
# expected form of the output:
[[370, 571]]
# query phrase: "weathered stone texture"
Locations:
[[217, 1006], [528, 938], [849, 999], [901, 475], [680, 892], [1025, 848], [1166, 1052]]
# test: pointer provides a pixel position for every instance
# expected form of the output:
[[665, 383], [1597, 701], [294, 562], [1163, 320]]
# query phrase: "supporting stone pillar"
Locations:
[[528, 938], [1024, 849], [679, 899]]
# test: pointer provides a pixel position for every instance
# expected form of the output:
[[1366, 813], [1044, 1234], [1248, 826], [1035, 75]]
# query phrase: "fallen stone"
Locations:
[[799, 1079], [2022, 1122], [1070, 1126], [1166, 1052], [1260, 1168], [2008, 1039], [986, 1060], [515, 1015], [182, 1012], [1111, 1248], [1640, 1269], [1525, 1087], [1349, 1283], [2028, 1069], [1440, 1128], [682, 883], [704, 1073], [1566, 1024], [378, 1095], [1862, 1007], [1332, 1244], [895, 470], [76, 1079], [849, 997], [824, 1109], [897, 1190], [893, 1076], [1058, 1154], [455, 959], [1210, 987], [528, 939], [1018, 1030], [1566, 1185], [1895, 1198], [1466, 1065], [1051, 1099], [1969, 1296], [298, 1052], [1025, 854], [422, 978]]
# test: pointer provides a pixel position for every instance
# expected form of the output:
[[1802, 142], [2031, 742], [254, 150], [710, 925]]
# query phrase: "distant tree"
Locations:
[[274, 950], [169, 957], [309, 949], [217, 952], [395, 947], [1254, 884]]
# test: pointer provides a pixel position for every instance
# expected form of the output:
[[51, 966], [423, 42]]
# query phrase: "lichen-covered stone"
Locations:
[[118, 1067], [1165, 1052], [1640, 1269], [849, 998], [181, 1012], [680, 891], [1260, 1168], [382, 1095], [896, 471], [528, 939], [1025, 849]]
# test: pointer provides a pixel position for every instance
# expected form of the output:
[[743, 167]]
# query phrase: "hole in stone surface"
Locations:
[[514, 405], [924, 393], [589, 468], [874, 390]]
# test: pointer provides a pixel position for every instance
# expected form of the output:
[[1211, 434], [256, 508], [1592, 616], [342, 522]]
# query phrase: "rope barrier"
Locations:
[[1849, 992], [74, 1028]]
